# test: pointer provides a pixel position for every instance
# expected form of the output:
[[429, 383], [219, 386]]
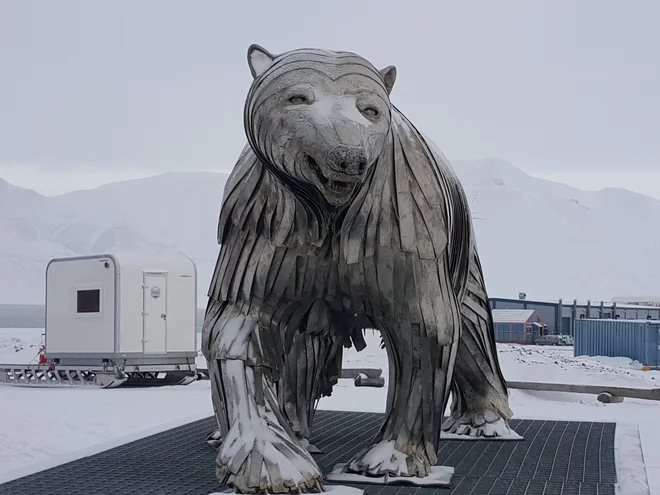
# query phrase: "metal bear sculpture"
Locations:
[[340, 216]]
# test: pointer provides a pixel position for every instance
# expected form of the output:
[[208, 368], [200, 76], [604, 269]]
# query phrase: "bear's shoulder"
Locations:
[[255, 202]]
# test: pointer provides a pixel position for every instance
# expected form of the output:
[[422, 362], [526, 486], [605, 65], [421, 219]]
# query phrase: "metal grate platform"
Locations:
[[556, 458]]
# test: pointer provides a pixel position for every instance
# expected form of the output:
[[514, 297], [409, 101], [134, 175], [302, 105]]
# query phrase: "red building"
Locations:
[[518, 326]]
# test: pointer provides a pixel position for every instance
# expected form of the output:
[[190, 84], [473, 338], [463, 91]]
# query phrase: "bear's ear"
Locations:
[[259, 59], [388, 74]]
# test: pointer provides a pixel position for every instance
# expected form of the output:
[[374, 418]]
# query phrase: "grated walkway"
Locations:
[[556, 458]]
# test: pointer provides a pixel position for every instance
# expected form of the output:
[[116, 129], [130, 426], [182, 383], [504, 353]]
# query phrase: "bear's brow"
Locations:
[[327, 62], [271, 83]]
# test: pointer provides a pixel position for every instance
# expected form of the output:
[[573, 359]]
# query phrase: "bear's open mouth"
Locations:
[[332, 184]]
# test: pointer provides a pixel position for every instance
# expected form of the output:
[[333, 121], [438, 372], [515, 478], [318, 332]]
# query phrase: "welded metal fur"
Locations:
[[339, 216]]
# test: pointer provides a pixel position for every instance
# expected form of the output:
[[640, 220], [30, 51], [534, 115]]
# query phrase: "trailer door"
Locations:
[[154, 338]]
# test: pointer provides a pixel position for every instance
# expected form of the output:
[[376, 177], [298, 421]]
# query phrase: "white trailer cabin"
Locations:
[[122, 312]]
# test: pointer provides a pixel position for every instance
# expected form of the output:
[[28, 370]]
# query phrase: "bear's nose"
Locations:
[[349, 160]]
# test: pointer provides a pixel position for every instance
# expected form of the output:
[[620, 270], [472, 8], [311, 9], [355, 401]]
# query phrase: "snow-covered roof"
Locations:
[[580, 303], [512, 315], [635, 306], [621, 320]]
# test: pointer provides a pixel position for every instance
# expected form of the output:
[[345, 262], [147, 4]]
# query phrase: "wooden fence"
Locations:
[[605, 393]]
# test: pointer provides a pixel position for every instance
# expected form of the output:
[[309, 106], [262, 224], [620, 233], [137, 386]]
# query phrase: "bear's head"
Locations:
[[319, 118]]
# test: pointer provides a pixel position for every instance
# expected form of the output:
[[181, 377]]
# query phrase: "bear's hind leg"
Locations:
[[480, 402], [312, 368], [480, 408], [259, 452]]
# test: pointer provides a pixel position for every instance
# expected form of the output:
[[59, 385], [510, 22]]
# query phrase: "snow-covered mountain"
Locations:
[[36, 228], [543, 238], [551, 240]]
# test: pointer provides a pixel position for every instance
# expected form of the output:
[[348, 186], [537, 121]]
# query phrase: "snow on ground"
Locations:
[[557, 365], [42, 427]]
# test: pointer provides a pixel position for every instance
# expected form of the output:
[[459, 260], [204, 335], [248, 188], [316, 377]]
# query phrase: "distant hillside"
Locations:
[[543, 238]]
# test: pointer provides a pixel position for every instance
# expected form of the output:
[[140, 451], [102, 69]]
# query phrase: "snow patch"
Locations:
[[631, 473], [497, 430], [334, 489], [439, 476]]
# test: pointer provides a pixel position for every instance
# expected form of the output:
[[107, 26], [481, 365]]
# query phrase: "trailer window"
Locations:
[[89, 301]]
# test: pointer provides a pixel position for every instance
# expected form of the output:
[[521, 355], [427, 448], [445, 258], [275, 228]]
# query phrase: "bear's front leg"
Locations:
[[421, 329], [259, 452], [407, 444]]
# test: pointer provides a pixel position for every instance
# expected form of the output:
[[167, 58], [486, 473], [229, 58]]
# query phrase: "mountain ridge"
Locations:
[[537, 236]]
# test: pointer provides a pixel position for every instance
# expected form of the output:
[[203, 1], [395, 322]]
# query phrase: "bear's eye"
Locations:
[[370, 112], [298, 99]]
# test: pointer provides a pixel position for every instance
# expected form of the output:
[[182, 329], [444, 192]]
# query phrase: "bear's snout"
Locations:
[[349, 160]]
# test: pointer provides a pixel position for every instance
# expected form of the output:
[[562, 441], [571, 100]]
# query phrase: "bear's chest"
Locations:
[[374, 286]]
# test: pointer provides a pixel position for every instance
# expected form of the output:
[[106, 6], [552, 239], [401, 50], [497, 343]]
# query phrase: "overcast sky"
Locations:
[[94, 91]]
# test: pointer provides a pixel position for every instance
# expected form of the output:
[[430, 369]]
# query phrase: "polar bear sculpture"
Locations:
[[340, 216]]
